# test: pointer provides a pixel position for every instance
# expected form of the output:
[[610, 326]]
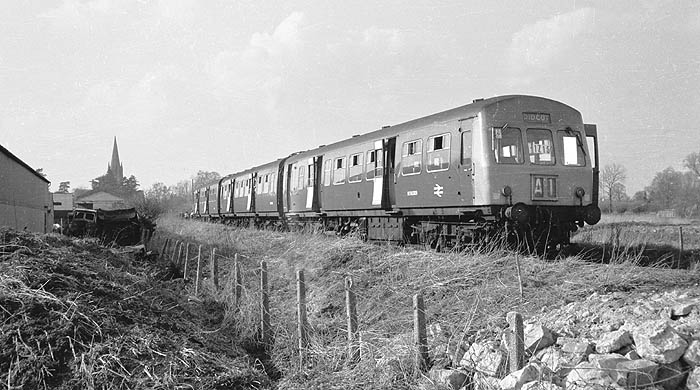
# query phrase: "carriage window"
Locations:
[[539, 146], [273, 183], [294, 178], [467, 148], [438, 153], [507, 145], [327, 173], [355, 174], [310, 175], [411, 157], [374, 164], [339, 171], [302, 177], [574, 155]]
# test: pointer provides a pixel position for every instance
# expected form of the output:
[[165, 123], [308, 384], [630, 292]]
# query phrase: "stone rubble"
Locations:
[[604, 342]]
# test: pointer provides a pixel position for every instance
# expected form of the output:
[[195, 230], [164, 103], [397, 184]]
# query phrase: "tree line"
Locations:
[[161, 199], [153, 202], [669, 190]]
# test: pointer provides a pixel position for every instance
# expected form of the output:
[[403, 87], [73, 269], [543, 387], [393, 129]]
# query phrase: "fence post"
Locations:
[[680, 243], [237, 286], [351, 310], [149, 238], [187, 260], [143, 239], [301, 317], [516, 344], [172, 256], [179, 254], [420, 334], [163, 248], [214, 269], [198, 277], [264, 306], [520, 277]]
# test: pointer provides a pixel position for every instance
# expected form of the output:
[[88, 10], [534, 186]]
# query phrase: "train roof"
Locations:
[[275, 163], [461, 112]]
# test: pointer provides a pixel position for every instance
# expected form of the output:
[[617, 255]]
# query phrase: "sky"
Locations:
[[189, 85]]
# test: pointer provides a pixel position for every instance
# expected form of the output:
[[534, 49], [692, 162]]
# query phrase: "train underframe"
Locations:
[[543, 230]]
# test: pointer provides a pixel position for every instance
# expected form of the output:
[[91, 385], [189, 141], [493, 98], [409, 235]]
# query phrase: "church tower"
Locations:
[[115, 167]]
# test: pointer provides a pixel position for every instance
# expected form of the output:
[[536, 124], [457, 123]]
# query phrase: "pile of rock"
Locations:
[[630, 352]]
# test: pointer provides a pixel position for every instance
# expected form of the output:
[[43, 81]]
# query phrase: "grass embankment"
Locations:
[[467, 296], [647, 238], [75, 315]]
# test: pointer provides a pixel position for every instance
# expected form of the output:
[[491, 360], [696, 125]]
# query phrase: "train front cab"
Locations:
[[536, 170]]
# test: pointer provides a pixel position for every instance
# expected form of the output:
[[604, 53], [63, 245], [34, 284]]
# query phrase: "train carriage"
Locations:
[[351, 184], [300, 185], [517, 162], [243, 194], [266, 192]]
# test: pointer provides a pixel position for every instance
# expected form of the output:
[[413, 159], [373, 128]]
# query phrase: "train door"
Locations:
[[219, 196], [251, 193], [592, 141], [389, 179], [465, 163], [196, 202], [281, 189], [287, 188], [315, 181], [229, 200]]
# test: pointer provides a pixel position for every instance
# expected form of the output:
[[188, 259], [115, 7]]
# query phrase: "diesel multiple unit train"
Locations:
[[520, 164]]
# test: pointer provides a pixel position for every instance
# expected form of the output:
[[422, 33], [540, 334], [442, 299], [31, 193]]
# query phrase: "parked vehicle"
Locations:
[[112, 227]]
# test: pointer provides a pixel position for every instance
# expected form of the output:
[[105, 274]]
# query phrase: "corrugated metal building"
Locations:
[[62, 206], [25, 200], [100, 200]]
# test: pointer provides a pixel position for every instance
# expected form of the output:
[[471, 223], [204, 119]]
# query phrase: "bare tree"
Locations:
[[692, 162], [611, 182]]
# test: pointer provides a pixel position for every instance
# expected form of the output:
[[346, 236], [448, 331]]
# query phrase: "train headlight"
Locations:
[[507, 191], [518, 213], [580, 192]]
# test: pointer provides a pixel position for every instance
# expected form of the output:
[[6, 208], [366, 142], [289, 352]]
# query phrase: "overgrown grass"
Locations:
[[467, 296], [75, 315]]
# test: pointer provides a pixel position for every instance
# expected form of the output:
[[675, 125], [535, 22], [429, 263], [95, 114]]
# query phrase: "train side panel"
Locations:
[[300, 173], [242, 199], [352, 178], [429, 172], [266, 190]]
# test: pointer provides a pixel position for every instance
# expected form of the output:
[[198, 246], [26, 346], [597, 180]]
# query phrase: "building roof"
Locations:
[[97, 195], [22, 163]]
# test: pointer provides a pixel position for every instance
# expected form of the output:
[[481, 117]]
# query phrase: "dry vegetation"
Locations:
[[75, 315], [647, 238], [467, 295]]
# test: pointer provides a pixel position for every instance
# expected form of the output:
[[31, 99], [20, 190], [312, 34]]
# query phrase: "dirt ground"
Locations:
[[75, 315]]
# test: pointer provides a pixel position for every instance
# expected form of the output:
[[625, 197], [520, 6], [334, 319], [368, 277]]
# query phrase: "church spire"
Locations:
[[115, 167]]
